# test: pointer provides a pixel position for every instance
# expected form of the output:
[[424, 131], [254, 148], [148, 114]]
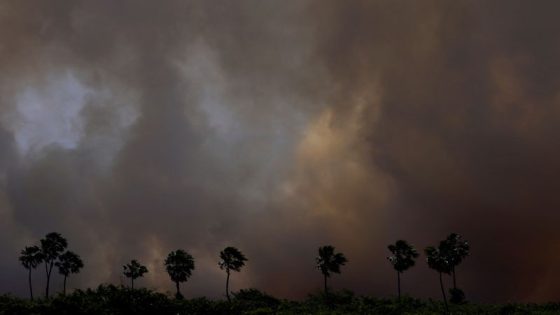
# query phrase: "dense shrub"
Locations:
[[112, 300]]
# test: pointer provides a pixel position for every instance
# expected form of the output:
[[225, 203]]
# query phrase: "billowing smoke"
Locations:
[[135, 128]]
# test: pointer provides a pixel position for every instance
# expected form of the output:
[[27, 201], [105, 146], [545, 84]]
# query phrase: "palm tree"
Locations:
[[133, 271], [402, 259], [30, 258], [68, 263], [329, 262], [458, 249], [51, 247], [179, 265], [437, 259], [231, 259]]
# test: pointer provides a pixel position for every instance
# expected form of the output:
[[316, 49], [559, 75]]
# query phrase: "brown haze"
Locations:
[[138, 127]]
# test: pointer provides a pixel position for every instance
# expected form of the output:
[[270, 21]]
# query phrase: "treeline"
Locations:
[[179, 264], [118, 300]]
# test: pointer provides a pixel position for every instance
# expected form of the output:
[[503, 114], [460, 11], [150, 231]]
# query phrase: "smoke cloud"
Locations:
[[135, 128]]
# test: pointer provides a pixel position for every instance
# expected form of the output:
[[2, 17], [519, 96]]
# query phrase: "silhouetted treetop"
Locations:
[[68, 263], [31, 257], [403, 255], [134, 269], [438, 259], [328, 261], [456, 248], [179, 265], [232, 258], [52, 246]]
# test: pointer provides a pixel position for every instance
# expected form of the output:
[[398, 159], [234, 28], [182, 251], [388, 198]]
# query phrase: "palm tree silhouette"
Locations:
[[329, 262], [402, 259], [30, 258], [231, 259], [51, 247], [458, 249], [437, 259], [179, 265], [134, 270], [68, 263]]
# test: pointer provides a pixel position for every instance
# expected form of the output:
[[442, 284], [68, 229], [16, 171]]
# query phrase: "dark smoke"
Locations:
[[134, 128]]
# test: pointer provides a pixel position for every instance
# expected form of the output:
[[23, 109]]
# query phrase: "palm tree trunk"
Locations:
[[328, 300], [399, 283], [178, 289], [49, 270], [30, 285], [64, 287], [132, 283], [443, 293], [227, 287], [454, 280]]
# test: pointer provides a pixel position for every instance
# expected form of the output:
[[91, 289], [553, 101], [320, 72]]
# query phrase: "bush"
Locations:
[[113, 300]]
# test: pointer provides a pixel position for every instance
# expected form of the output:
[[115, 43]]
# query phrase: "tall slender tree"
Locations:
[[68, 263], [30, 258], [134, 270], [179, 265], [437, 259], [402, 258], [231, 259], [51, 247], [329, 262], [457, 249]]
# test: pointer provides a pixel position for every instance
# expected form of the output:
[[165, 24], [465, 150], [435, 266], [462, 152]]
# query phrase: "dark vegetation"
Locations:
[[179, 264], [231, 259], [112, 300]]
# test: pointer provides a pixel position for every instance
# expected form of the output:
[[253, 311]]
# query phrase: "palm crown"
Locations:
[[134, 269], [456, 248], [179, 265], [403, 255], [31, 257], [52, 246], [438, 259], [231, 259], [328, 261], [68, 263]]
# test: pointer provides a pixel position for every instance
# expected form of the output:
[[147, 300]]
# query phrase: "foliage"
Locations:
[[457, 296], [31, 257], [68, 263], [179, 265], [456, 248], [231, 258], [437, 259], [403, 255], [52, 247], [134, 270], [328, 261], [113, 300]]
